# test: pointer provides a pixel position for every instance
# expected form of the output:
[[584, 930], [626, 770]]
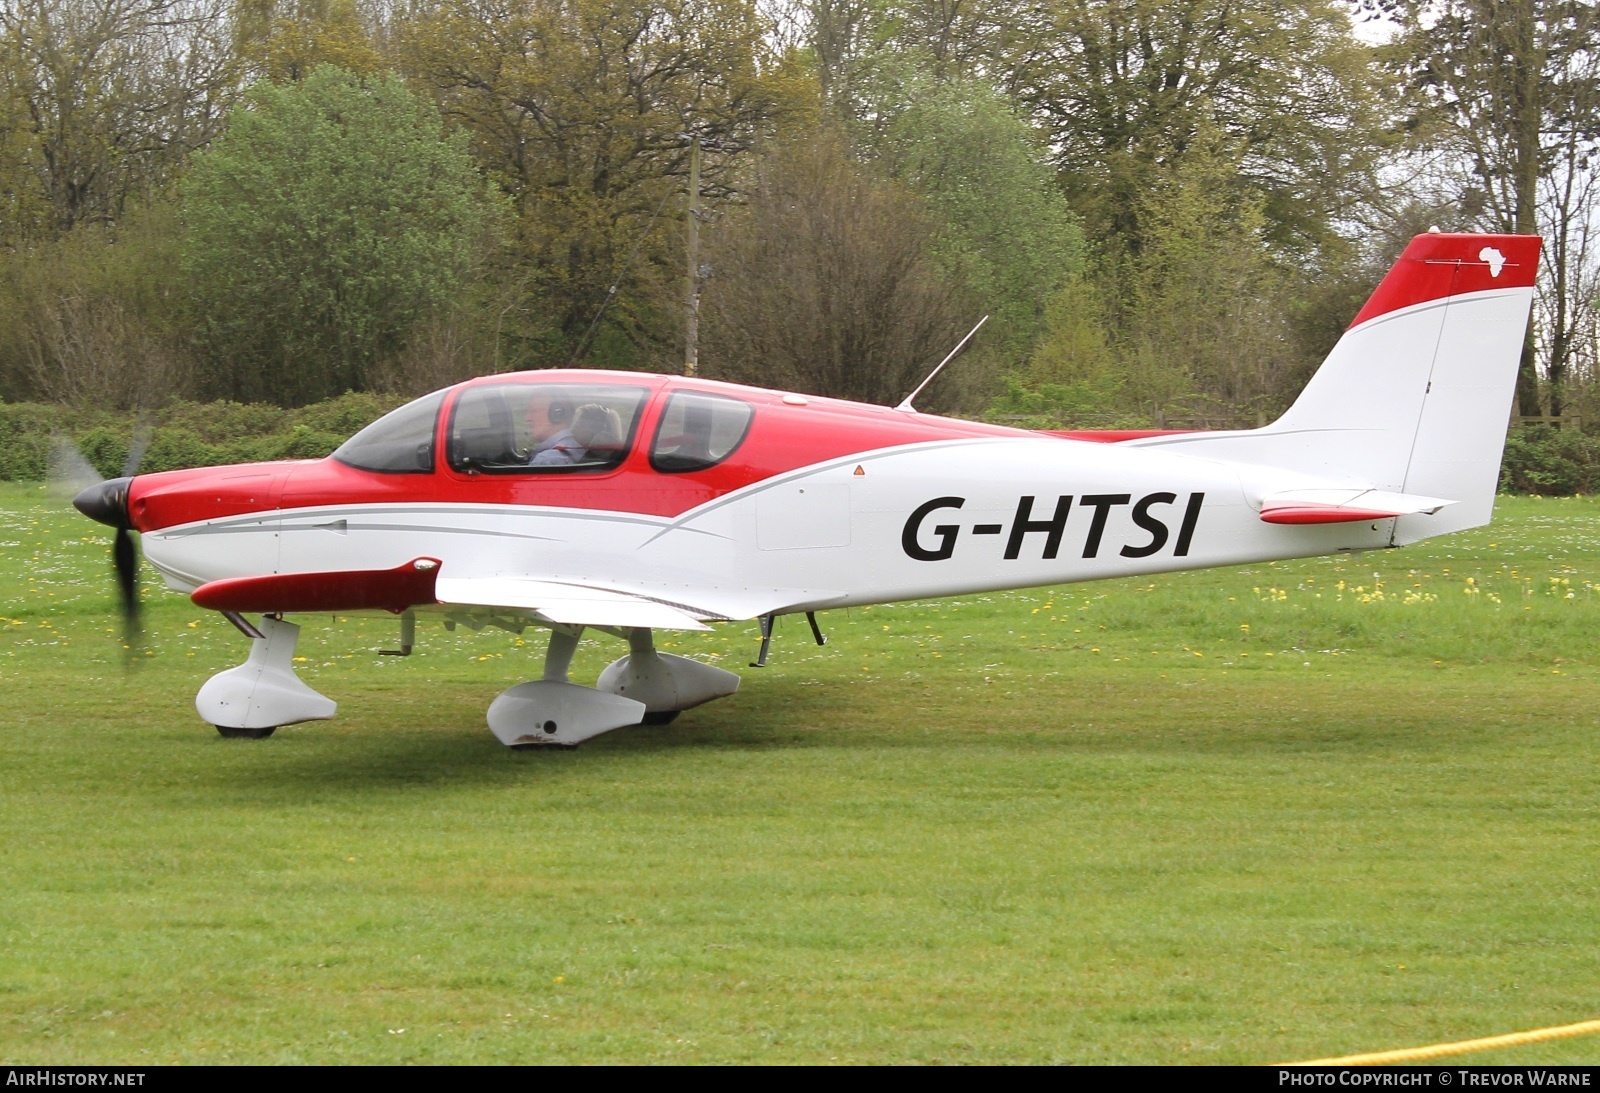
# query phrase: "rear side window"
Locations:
[[397, 443], [698, 431]]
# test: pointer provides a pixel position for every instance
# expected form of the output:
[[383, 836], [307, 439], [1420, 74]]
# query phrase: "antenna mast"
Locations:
[[905, 403]]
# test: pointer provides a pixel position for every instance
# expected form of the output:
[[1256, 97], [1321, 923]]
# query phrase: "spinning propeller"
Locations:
[[106, 501]]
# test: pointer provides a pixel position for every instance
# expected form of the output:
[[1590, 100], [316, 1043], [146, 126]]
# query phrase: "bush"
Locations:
[[185, 434], [25, 432], [1083, 404], [304, 442], [345, 415], [174, 448], [1552, 462], [106, 448], [1539, 459], [225, 422]]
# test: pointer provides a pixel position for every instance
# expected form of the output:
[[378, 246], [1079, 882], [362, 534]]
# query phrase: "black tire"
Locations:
[[247, 734], [661, 717]]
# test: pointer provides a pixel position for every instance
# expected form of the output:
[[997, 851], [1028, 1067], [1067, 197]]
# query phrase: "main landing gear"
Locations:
[[644, 687], [262, 693]]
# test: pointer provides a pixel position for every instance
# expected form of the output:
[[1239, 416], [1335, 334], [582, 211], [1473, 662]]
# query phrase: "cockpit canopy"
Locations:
[[522, 427]]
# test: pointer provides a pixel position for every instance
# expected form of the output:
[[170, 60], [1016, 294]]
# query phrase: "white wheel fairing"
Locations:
[[264, 691]]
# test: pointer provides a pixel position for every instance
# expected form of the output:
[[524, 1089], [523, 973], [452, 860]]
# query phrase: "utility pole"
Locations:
[[691, 335]]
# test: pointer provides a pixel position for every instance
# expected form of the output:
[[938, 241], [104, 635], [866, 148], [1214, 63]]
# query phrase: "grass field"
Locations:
[[1244, 816]]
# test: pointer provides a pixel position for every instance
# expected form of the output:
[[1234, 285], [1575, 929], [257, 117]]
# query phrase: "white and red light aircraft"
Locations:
[[628, 503]]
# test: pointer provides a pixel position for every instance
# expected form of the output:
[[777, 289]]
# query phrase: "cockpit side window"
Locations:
[[397, 443], [540, 428], [698, 430]]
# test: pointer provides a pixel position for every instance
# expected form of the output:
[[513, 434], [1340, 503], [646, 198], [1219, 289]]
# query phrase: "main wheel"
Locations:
[[661, 717], [247, 734]]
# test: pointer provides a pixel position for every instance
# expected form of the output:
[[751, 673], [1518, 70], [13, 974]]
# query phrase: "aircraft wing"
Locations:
[[1340, 506], [573, 604]]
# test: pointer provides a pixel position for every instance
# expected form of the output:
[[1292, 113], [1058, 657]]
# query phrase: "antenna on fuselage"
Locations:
[[905, 403]]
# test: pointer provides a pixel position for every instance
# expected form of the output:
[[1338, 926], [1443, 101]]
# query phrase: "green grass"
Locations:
[[1243, 816]]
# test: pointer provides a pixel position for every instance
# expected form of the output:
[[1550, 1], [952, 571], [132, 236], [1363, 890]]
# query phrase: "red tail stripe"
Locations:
[[1438, 265]]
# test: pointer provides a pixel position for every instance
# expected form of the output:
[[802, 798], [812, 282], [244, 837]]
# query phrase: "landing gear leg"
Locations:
[[262, 693]]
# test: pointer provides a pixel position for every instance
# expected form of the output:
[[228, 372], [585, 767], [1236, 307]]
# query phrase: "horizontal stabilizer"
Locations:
[[1343, 506], [572, 604]]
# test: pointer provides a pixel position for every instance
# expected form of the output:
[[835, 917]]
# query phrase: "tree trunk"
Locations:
[[1527, 118]]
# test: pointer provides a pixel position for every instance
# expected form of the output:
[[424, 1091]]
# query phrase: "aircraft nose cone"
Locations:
[[106, 502]]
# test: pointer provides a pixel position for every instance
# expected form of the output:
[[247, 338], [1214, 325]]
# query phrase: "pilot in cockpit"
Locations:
[[550, 427]]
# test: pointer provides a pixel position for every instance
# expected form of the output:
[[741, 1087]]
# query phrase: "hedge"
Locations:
[[184, 434], [1539, 459]]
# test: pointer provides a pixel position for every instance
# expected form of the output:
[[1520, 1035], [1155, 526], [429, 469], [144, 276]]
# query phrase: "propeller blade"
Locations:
[[68, 473], [136, 446], [125, 557], [106, 501]]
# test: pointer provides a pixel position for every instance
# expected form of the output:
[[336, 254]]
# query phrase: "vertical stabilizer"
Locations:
[[1416, 396]]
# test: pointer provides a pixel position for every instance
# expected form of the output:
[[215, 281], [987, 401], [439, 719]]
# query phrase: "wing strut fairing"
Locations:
[[407, 585]]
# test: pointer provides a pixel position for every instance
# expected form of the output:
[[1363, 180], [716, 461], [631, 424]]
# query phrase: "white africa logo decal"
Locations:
[[1495, 259]]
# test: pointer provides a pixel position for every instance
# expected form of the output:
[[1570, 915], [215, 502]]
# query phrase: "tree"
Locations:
[[826, 282], [284, 40], [859, 47], [94, 317], [1004, 230], [1210, 304], [1197, 324], [1567, 304], [1274, 105], [1512, 88], [582, 112], [330, 220], [1124, 89], [108, 97]]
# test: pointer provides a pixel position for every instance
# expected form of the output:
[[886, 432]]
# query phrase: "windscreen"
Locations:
[[397, 443]]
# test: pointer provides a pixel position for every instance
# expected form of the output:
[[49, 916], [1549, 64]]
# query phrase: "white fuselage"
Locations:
[[910, 522]]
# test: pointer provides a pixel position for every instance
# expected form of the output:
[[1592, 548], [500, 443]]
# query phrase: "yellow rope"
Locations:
[[1460, 1047]]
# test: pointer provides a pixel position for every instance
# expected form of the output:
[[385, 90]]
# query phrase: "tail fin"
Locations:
[[1416, 396]]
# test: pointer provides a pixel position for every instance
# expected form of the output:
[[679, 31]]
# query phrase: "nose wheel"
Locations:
[[262, 693]]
